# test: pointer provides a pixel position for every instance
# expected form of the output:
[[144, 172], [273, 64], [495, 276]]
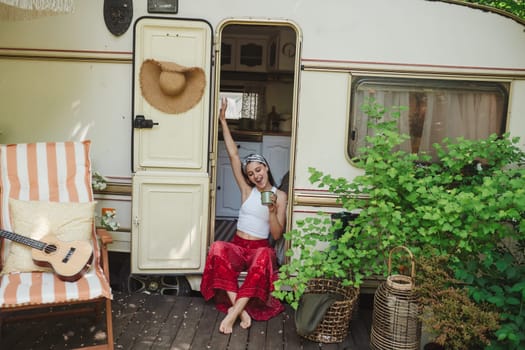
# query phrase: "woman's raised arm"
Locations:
[[233, 151]]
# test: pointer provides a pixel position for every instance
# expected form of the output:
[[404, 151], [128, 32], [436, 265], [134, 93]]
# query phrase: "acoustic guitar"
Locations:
[[69, 260]]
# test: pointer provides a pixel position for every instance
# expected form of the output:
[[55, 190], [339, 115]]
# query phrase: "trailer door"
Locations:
[[170, 155]]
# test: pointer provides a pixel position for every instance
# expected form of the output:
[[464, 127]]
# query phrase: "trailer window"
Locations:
[[436, 109]]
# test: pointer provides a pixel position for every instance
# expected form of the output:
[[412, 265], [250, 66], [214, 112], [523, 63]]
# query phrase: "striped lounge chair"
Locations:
[[50, 175]]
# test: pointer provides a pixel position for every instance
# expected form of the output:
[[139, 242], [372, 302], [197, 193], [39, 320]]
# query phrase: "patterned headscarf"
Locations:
[[253, 158]]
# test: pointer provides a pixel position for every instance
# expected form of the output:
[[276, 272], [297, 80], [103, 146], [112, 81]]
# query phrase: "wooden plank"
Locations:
[[274, 333], [35, 335], [359, 335], [239, 338], [188, 328], [159, 307], [257, 337], [218, 340], [174, 320], [205, 328], [125, 306], [345, 344], [310, 345], [361, 322], [133, 330], [56, 333], [78, 332], [291, 339]]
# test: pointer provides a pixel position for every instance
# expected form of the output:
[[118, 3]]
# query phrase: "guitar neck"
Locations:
[[33, 243]]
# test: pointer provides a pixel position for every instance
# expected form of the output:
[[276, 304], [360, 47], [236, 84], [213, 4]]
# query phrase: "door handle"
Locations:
[[141, 122]]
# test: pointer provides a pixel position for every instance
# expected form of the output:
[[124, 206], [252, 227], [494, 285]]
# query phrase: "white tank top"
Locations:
[[254, 218]]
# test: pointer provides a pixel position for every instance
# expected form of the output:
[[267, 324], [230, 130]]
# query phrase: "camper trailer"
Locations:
[[294, 73]]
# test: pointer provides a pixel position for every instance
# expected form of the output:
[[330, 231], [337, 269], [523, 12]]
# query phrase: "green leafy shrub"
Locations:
[[462, 202], [458, 321], [358, 252], [499, 281]]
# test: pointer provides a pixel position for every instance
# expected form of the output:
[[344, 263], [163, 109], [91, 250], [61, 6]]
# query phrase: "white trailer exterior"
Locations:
[[68, 78]]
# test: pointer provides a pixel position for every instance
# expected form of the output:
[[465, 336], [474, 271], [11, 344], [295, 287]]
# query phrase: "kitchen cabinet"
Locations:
[[228, 194], [251, 56], [274, 52], [228, 54], [244, 54], [287, 50], [276, 150], [281, 52]]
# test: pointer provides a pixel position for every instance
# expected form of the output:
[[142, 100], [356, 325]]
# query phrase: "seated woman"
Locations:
[[249, 249]]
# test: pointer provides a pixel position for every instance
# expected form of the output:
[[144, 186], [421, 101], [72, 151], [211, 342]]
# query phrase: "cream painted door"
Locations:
[[179, 141], [172, 221], [171, 181]]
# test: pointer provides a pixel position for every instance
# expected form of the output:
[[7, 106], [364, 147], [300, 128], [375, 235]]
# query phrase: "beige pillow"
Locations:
[[36, 219]]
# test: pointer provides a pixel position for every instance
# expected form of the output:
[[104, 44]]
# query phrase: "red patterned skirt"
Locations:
[[226, 260]]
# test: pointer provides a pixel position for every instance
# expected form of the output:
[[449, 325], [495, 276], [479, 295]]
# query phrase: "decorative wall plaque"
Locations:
[[118, 15]]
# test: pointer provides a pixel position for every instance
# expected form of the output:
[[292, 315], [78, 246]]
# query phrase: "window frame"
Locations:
[[501, 86]]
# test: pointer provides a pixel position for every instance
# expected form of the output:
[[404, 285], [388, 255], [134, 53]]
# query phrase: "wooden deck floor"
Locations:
[[143, 321]]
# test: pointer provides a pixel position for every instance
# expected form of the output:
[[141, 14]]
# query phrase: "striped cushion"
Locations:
[[56, 172]]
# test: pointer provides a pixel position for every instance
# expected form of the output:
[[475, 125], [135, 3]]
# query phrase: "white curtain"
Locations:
[[28, 9], [462, 114], [440, 114], [387, 99]]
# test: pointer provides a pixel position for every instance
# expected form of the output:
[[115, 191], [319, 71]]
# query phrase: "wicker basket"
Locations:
[[395, 318], [333, 328]]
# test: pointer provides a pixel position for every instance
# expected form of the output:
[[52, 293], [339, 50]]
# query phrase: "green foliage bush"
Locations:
[[458, 322], [462, 202]]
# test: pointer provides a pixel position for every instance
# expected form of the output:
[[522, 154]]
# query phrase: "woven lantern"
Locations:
[[395, 318]]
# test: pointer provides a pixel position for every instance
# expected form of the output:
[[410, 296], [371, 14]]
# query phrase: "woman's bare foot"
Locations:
[[226, 325], [246, 320]]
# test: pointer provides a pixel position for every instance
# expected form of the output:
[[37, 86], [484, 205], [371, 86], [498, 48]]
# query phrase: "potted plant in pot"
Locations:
[[316, 273]]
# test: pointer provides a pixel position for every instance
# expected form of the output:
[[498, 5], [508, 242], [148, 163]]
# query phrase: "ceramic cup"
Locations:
[[266, 197]]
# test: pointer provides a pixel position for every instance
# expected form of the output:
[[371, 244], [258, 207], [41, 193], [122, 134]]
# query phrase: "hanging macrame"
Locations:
[[28, 9]]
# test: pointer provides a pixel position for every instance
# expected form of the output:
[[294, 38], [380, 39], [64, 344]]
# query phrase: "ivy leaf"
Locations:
[[513, 301], [496, 300], [518, 287], [503, 264]]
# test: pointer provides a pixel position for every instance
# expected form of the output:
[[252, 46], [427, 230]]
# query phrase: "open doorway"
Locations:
[[258, 74]]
